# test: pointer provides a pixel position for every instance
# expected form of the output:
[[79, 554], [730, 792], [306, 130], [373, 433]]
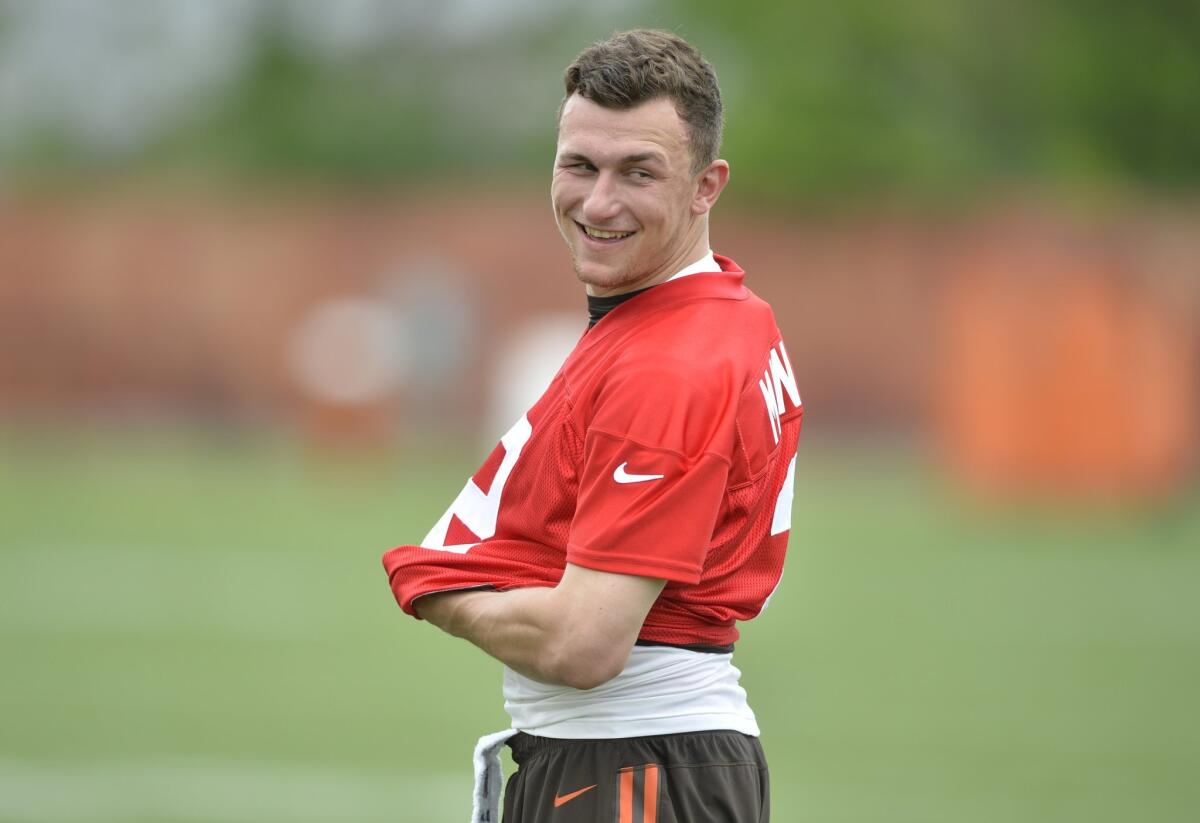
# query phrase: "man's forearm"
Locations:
[[510, 626], [576, 634], [523, 628]]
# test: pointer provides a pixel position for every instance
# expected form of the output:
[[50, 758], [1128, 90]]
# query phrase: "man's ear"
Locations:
[[710, 183]]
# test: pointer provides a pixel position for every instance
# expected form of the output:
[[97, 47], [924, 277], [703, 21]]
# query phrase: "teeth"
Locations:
[[600, 234]]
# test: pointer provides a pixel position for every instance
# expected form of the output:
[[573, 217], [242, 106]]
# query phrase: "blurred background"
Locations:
[[275, 276]]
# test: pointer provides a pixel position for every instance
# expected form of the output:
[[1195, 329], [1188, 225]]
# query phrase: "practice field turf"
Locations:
[[202, 632]]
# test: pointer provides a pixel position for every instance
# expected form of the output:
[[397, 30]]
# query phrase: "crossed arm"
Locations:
[[577, 634]]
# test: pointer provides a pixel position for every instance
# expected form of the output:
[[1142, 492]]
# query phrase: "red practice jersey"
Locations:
[[664, 447]]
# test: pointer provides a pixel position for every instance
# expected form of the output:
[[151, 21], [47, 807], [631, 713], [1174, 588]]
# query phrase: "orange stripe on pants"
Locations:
[[650, 796], [626, 798]]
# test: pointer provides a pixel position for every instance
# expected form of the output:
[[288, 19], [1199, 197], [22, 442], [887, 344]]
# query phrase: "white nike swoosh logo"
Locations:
[[622, 476]]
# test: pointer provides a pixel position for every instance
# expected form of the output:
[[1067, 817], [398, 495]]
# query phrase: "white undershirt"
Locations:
[[662, 690]]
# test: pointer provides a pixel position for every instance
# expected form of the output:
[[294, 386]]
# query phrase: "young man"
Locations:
[[606, 548]]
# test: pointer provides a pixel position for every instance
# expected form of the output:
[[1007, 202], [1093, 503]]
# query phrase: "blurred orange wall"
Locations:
[[1037, 348], [1068, 364]]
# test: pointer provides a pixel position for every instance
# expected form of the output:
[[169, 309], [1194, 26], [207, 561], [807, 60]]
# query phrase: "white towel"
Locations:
[[485, 807]]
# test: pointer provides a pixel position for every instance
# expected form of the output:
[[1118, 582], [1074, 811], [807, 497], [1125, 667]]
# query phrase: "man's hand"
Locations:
[[576, 634]]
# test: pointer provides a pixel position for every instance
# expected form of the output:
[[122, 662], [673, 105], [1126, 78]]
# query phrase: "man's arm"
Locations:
[[576, 634]]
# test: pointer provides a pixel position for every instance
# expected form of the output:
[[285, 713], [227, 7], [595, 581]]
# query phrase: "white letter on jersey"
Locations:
[[478, 511], [778, 377]]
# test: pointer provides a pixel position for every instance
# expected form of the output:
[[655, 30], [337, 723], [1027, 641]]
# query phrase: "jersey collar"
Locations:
[[724, 284]]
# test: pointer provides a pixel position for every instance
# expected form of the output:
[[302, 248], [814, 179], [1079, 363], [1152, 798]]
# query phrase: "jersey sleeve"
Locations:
[[416, 571], [656, 463]]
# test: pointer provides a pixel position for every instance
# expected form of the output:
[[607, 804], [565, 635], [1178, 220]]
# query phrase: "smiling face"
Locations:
[[624, 194]]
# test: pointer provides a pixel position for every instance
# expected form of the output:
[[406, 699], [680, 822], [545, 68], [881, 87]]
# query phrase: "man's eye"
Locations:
[[641, 175]]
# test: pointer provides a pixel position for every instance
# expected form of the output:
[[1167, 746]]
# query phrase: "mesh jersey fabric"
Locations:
[[663, 447]]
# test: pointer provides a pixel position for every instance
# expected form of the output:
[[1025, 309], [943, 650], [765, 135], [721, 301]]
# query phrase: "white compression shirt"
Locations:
[[663, 690]]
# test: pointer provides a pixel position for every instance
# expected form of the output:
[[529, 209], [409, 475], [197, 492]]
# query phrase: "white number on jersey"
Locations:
[[476, 510], [782, 519]]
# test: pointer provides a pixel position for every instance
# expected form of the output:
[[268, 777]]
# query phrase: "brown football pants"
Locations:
[[697, 777]]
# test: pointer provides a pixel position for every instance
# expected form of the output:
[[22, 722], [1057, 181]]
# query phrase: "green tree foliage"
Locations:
[[928, 94], [294, 117], [823, 100]]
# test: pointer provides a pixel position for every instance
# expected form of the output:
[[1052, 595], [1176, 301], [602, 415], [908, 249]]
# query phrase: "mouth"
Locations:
[[603, 236]]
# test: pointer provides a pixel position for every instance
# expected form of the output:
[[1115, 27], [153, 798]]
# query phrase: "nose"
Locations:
[[602, 203]]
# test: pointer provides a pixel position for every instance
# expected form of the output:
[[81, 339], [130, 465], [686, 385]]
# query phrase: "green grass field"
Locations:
[[201, 631]]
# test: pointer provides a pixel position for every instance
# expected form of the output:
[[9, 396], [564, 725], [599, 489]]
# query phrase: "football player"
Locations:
[[608, 546]]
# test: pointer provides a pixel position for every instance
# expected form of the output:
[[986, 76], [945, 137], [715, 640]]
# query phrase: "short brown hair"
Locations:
[[633, 67]]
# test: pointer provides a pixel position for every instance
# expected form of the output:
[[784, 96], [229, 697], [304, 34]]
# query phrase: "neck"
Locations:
[[691, 252]]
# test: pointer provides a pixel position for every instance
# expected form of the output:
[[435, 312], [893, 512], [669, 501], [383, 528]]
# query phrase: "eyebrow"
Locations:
[[627, 160], [651, 156]]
